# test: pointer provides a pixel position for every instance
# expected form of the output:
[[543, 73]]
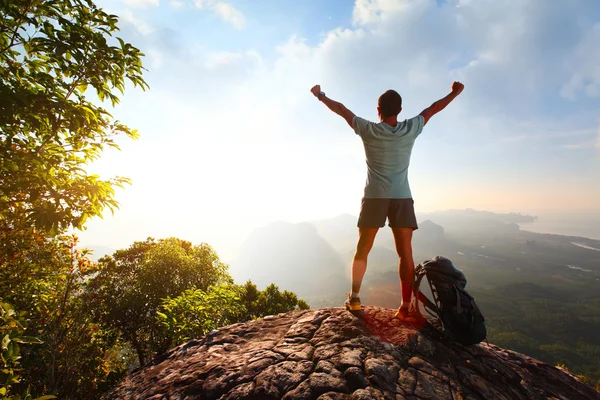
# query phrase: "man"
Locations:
[[388, 145]]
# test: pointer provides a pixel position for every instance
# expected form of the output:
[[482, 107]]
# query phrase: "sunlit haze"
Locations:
[[232, 139]]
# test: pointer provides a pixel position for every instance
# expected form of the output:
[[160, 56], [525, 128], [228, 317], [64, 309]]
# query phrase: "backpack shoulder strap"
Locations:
[[420, 273]]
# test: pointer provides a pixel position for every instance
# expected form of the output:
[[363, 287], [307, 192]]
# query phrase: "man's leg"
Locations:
[[366, 237], [406, 269], [373, 213]]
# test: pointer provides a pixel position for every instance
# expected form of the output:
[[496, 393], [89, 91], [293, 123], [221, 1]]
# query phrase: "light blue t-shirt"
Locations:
[[388, 150]]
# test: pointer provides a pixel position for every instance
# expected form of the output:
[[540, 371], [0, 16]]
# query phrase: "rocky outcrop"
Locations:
[[333, 354]]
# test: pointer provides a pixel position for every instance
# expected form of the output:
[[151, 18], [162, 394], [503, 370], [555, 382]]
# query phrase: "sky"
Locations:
[[232, 139]]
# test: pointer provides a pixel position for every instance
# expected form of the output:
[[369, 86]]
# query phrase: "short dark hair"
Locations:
[[389, 104]]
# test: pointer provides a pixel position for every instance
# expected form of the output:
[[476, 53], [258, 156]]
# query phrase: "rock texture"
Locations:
[[331, 354]]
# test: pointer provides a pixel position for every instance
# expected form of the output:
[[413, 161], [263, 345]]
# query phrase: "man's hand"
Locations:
[[457, 87], [316, 90], [439, 105], [333, 105]]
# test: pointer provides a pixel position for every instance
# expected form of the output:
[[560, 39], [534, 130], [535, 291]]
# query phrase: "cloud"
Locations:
[[226, 58], [585, 64], [494, 47], [373, 11], [225, 11], [175, 4], [156, 58], [229, 14], [141, 3], [232, 140], [248, 123], [579, 146], [538, 133], [141, 26]]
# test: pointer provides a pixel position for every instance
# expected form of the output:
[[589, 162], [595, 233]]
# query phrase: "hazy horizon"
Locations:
[[231, 138], [585, 225]]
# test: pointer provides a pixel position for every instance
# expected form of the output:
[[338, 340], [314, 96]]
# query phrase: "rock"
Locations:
[[428, 387], [327, 367], [349, 358], [321, 382], [295, 352], [408, 380], [363, 394], [333, 396], [303, 391], [382, 373], [280, 378], [355, 378], [331, 354], [241, 392]]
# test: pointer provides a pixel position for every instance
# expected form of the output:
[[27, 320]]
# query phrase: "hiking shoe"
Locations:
[[404, 314], [352, 303]]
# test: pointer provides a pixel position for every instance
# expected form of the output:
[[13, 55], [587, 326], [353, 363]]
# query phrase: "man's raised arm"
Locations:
[[333, 105], [439, 105]]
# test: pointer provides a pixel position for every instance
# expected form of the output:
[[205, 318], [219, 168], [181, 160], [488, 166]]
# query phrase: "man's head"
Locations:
[[389, 105]]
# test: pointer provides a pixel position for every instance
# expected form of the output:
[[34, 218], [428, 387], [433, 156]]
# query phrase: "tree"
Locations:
[[130, 286], [268, 302], [68, 359], [196, 312], [51, 52], [12, 327]]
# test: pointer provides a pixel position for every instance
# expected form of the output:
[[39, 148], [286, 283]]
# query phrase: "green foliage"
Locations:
[[12, 327], [79, 320], [555, 325], [50, 52], [268, 302], [197, 312], [157, 294], [130, 286], [85, 313], [69, 360]]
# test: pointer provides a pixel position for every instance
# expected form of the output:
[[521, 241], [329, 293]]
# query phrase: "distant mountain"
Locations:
[[476, 221], [471, 214], [342, 233], [313, 259], [293, 256]]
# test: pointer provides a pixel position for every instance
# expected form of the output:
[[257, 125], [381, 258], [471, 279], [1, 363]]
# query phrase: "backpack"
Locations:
[[452, 305]]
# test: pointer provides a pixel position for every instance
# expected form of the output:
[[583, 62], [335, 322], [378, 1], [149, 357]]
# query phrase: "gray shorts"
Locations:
[[399, 212]]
